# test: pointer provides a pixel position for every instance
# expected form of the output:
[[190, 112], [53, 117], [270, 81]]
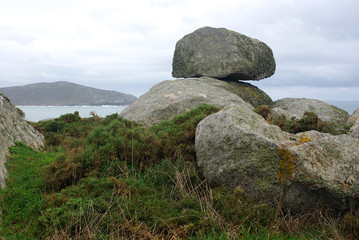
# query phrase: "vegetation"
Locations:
[[109, 178], [309, 121]]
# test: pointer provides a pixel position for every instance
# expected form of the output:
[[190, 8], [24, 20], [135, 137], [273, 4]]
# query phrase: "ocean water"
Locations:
[[38, 113], [349, 106]]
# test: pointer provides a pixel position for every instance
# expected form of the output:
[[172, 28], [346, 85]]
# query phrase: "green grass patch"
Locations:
[[22, 200]]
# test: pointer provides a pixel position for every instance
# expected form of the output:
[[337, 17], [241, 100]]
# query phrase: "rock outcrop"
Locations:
[[169, 98], [354, 121], [334, 116], [14, 128], [222, 54], [239, 149]]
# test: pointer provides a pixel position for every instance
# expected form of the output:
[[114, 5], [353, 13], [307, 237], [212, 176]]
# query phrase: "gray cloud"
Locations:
[[129, 45]]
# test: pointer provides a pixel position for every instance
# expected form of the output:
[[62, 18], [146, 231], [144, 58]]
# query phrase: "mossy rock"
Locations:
[[236, 147], [249, 93], [223, 54]]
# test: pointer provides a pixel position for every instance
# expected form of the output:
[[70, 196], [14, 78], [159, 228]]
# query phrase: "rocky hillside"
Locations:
[[14, 128], [64, 94]]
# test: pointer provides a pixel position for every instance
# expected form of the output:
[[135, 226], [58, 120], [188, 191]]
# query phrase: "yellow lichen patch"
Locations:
[[251, 90], [346, 184], [304, 138], [286, 165]]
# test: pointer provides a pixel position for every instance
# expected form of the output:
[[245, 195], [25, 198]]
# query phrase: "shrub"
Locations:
[[116, 139]]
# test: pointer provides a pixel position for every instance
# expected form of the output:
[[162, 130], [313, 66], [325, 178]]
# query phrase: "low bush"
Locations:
[[119, 140]]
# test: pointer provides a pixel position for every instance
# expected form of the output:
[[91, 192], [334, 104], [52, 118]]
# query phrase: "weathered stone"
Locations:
[[238, 148], [354, 117], [249, 93], [222, 54], [354, 121], [169, 98], [334, 116], [14, 128], [354, 130], [326, 171]]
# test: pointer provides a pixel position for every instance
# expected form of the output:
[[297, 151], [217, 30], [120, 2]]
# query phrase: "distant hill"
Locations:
[[64, 94]]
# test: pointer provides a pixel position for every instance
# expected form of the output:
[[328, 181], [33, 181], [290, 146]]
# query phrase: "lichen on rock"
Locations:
[[222, 54], [237, 147]]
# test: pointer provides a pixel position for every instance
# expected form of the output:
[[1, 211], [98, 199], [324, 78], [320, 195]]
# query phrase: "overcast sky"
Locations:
[[128, 45]]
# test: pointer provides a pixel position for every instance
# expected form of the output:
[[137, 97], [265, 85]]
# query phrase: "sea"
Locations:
[[38, 113]]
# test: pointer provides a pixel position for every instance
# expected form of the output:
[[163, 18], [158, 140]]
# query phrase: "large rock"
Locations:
[[169, 98], [222, 54], [334, 116], [239, 149], [14, 128]]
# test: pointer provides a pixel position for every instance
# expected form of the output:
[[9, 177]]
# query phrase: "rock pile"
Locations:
[[238, 148], [205, 58], [14, 128], [169, 98]]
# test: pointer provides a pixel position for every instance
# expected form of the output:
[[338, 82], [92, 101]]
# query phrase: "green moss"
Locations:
[[247, 92], [258, 161]]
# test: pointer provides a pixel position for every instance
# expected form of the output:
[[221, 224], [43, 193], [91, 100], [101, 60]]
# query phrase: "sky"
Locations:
[[128, 46]]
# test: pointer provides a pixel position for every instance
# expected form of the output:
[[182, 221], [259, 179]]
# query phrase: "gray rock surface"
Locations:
[[239, 149], [334, 116], [169, 98], [354, 121], [249, 93], [14, 128], [354, 117], [222, 54], [354, 130]]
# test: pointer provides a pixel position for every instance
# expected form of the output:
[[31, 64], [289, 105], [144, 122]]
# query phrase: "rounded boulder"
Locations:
[[223, 54]]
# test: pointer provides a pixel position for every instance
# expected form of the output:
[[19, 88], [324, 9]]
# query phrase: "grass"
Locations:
[[23, 199], [109, 178]]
